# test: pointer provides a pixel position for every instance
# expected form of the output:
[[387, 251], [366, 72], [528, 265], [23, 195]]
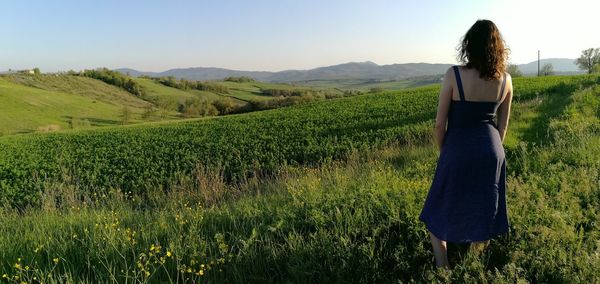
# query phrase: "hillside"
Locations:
[[347, 71], [157, 92], [323, 192], [562, 65], [345, 74], [49, 103], [52, 102]]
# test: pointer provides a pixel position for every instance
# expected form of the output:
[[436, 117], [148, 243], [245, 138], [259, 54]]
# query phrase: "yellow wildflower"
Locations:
[[56, 260]]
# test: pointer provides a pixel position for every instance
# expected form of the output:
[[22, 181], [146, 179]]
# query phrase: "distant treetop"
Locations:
[[242, 79]]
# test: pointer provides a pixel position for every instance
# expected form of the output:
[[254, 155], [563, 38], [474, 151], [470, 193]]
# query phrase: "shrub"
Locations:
[[116, 79]]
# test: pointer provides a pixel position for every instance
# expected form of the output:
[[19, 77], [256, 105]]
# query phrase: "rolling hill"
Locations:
[[352, 71], [323, 192], [50, 103], [562, 65]]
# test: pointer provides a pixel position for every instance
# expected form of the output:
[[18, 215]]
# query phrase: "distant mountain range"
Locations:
[[352, 70], [560, 65]]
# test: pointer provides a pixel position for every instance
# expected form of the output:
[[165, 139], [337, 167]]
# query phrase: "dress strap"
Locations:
[[502, 89], [461, 92]]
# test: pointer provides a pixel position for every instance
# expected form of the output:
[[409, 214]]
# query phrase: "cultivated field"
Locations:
[[327, 191]]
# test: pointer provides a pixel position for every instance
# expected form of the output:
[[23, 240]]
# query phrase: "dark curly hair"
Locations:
[[483, 48]]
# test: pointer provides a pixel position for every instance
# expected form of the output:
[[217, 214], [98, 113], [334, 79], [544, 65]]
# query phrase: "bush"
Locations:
[[116, 79], [184, 84], [197, 107], [225, 106], [514, 71], [212, 87], [242, 79]]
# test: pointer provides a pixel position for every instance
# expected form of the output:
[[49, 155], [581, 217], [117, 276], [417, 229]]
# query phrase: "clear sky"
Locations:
[[275, 35]]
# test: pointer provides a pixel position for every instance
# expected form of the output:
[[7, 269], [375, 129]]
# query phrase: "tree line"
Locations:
[[113, 78], [184, 84]]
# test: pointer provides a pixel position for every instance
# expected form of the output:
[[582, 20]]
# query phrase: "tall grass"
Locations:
[[348, 220]]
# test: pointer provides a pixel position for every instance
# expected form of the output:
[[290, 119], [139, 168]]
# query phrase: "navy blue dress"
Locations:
[[466, 201]]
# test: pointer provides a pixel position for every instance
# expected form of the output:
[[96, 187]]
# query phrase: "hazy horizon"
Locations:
[[278, 35]]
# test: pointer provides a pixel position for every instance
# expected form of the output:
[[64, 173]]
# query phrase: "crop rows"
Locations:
[[154, 155], [136, 158]]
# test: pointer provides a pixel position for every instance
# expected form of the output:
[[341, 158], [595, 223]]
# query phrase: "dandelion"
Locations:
[[169, 254]]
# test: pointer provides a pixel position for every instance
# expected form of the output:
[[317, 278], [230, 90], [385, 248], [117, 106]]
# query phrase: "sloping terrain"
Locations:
[[326, 192], [49, 103]]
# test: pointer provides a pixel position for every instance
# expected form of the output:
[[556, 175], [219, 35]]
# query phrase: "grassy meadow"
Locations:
[[367, 85], [58, 102], [50, 103], [327, 191]]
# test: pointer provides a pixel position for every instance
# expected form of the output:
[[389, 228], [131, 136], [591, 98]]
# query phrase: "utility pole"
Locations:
[[538, 62]]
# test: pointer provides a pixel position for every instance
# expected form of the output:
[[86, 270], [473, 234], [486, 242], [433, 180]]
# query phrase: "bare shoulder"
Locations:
[[449, 73], [508, 79]]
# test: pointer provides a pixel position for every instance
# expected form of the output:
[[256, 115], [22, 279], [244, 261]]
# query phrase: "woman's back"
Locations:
[[466, 200], [485, 96], [477, 89]]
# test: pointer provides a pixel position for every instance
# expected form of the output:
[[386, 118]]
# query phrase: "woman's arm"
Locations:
[[504, 109], [443, 107]]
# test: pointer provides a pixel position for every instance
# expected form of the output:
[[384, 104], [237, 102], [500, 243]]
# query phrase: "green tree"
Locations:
[[195, 107], [37, 71], [547, 70], [514, 71], [115, 78], [125, 115], [588, 59], [225, 105]]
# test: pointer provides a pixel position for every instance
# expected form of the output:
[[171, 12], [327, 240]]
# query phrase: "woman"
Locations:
[[466, 201]]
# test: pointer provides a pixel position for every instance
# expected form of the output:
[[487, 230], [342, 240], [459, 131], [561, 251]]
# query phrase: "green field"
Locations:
[[367, 85], [48, 103], [253, 90], [53, 102], [328, 191], [157, 91]]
